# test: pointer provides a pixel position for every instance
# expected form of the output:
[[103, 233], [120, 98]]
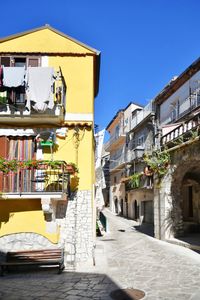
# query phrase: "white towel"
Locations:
[[39, 88], [13, 76]]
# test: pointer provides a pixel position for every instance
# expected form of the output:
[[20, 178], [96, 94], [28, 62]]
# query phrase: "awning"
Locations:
[[17, 132], [78, 123]]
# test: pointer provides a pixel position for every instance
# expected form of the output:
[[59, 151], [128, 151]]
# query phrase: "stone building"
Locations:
[[177, 196], [139, 185], [118, 128]]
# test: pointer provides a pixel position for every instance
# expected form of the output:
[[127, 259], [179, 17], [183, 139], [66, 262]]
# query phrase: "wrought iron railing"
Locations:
[[136, 153], [44, 178], [143, 182]]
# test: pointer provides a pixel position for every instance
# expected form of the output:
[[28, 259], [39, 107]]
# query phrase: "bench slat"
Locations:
[[35, 257]]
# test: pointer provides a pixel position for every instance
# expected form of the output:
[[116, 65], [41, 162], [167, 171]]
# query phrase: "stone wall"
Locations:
[[76, 230], [77, 227], [24, 241], [168, 215], [163, 227]]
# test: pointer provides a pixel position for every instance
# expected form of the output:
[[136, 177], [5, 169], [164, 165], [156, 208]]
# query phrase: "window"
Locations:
[[175, 110], [5, 61], [117, 131], [19, 61], [140, 141], [133, 144], [20, 96], [33, 62], [115, 179]]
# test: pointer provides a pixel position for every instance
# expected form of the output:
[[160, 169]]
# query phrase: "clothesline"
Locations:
[[37, 82]]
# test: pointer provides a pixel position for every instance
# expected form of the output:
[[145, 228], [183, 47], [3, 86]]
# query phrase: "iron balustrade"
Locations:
[[144, 182], [41, 179]]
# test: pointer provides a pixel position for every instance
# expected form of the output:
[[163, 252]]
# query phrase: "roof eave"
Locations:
[[178, 82]]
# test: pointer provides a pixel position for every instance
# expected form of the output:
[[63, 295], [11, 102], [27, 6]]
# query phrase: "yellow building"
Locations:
[[48, 82]]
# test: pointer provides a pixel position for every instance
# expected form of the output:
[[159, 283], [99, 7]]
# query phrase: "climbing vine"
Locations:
[[158, 162], [134, 181]]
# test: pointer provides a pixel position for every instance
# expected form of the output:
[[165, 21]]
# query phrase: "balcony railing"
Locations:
[[182, 132], [17, 103], [189, 104], [141, 115], [116, 139], [143, 182], [117, 162], [45, 178], [136, 153]]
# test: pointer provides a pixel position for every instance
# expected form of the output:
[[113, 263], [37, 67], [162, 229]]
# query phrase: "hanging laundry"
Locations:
[[3, 97], [13, 76], [61, 132], [39, 88]]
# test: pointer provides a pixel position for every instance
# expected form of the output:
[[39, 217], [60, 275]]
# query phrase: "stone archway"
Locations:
[[176, 200], [185, 192]]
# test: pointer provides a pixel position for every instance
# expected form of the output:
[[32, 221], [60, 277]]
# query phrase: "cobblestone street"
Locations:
[[124, 258]]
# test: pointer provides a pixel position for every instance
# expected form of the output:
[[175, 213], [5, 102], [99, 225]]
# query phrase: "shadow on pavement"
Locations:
[[145, 228], [47, 284]]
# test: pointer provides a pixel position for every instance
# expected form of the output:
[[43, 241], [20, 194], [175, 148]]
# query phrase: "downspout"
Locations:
[[159, 216]]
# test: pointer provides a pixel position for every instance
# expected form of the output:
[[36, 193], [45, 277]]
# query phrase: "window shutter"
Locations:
[[33, 62]]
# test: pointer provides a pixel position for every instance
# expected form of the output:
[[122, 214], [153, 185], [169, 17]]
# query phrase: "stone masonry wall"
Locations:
[[77, 227], [162, 208], [168, 220]]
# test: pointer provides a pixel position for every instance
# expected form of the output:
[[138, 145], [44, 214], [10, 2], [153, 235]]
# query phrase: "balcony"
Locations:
[[182, 132], [118, 163], [188, 105], [40, 97], [34, 179], [116, 140], [141, 115], [135, 154], [139, 181]]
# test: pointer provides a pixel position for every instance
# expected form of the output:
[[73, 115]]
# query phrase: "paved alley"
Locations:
[[124, 258]]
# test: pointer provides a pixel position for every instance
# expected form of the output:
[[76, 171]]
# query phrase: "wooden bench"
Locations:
[[50, 257]]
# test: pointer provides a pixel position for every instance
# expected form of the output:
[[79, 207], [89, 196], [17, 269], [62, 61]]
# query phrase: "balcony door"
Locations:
[[22, 149]]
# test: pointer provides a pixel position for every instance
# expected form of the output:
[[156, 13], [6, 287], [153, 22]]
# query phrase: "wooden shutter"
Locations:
[[4, 144], [33, 62]]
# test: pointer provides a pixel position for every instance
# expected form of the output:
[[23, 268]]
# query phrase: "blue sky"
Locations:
[[143, 43]]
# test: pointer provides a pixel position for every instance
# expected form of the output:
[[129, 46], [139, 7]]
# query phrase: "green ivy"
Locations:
[[158, 162], [134, 181]]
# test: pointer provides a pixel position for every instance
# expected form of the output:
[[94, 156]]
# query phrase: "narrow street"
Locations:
[[124, 258], [160, 269]]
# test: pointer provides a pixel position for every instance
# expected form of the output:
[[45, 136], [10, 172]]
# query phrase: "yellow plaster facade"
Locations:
[[78, 65]]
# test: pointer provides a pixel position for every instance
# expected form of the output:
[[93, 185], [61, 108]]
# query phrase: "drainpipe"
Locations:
[[159, 216]]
